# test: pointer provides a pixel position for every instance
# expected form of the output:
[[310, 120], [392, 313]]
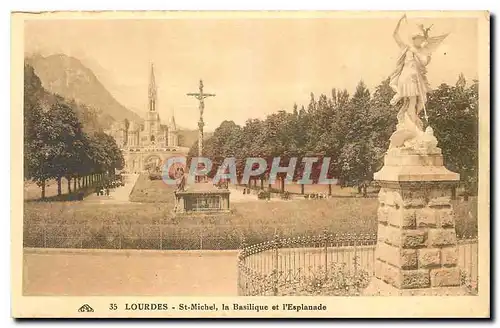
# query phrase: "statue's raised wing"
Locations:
[[433, 43]]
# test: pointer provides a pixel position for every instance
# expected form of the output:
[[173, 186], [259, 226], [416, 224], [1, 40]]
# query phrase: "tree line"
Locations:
[[353, 130], [56, 142]]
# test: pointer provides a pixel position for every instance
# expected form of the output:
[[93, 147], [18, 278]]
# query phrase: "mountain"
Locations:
[[68, 77], [96, 107]]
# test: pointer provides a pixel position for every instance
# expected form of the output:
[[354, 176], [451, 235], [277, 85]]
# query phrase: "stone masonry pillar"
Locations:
[[416, 251]]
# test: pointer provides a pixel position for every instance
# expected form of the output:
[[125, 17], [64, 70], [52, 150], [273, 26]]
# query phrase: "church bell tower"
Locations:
[[153, 118], [152, 91]]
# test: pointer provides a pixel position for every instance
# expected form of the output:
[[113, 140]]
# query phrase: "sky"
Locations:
[[254, 66]]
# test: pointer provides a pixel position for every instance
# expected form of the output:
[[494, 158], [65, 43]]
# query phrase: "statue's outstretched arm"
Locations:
[[395, 34]]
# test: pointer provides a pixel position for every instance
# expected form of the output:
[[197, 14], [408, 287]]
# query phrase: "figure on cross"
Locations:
[[201, 98]]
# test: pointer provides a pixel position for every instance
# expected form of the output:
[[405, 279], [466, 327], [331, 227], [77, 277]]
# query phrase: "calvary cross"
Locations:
[[201, 97]]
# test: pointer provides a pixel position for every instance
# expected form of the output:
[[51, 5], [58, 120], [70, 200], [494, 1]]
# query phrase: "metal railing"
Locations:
[[468, 260], [276, 267], [123, 236], [265, 268], [287, 266]]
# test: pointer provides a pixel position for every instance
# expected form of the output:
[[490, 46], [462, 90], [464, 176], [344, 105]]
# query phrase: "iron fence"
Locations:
[[468, 259], [276, 267], [287, 265], [124, 236]]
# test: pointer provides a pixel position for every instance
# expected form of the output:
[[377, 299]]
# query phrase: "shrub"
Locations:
[[263, 194], [337, 281], [467, 281], [285, 195], [155, 176]]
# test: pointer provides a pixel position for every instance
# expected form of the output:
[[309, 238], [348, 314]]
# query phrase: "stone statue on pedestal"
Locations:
[[416, 252], [409, 81]]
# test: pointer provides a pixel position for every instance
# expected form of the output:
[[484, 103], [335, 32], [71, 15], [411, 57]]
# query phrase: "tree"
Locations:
[[453, 114], [32, 120], [356, 155], [37, 164], [64, 141], [37, 129], [382, 118], [354, 132], [55, 143], [104, 154]]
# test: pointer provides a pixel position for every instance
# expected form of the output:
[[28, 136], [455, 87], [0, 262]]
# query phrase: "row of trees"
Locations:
[[57, 145], [354, 131]]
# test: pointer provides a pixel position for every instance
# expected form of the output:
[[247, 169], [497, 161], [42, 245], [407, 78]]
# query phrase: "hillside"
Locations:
[[68, 77], [35, 93], [96, 107]]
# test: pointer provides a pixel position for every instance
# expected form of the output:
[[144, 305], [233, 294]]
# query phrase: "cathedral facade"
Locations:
[[145, 145]]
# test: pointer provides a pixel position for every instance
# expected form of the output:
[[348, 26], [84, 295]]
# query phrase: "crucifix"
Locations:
[[201, 97]]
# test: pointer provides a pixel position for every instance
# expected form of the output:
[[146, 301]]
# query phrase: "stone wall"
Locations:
[[417, 244]]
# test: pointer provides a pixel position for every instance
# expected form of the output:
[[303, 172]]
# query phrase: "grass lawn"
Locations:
[[142, 225], [32, 191], [149, 223], [152, 191]]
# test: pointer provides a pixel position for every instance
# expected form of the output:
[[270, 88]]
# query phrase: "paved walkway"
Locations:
[[116, 195], [129, 272]]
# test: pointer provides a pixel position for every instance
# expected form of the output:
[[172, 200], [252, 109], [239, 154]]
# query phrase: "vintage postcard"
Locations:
[[250, 164]]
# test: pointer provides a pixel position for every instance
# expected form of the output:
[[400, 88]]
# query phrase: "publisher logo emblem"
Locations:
[[85, 308]]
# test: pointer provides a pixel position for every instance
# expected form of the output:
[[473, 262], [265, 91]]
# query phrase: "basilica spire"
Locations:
[[152, 90], [171, 122]]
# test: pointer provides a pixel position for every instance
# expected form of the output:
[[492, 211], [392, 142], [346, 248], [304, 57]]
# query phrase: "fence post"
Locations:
[[463, 269], [142, 233], [81, 235], [275, 265], [355, 237], [473, 280], [325, 241], [44, 232], [161, 237], [471, 259], [241, 267], [120, 235]]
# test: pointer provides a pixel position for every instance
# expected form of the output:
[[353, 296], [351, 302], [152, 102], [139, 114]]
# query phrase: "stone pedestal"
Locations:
[[202, 198], [416, 252]]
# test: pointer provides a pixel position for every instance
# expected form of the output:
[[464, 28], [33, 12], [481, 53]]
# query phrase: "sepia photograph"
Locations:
[[187, 164]]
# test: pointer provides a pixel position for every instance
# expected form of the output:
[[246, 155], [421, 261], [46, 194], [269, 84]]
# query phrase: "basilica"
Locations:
[[145, 145]]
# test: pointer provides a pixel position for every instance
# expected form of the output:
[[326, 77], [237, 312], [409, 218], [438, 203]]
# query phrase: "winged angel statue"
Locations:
[[409, 81]]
